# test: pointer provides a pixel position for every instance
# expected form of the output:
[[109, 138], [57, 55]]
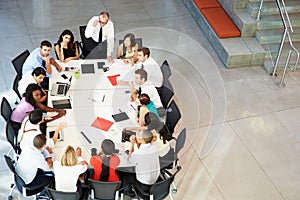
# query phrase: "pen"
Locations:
[[89, 141], [92, 99], [103, 98], [120, 110], [132, 107]]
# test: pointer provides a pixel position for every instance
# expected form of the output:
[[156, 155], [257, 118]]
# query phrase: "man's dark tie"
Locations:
[[100, 35], [139, 91], [44, 64], [142, 66]]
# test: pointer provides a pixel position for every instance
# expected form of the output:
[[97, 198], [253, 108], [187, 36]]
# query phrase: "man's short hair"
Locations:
[[46, 43], [39, 141], [146, 135], [104, 13], [142, 73], [36, 116], [38, 71], [145, 50]]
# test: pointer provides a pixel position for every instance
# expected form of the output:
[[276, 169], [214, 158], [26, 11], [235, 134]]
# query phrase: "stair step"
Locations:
[[269, 64], [270, 7], [273, 48], [274, 21], [275, 35]]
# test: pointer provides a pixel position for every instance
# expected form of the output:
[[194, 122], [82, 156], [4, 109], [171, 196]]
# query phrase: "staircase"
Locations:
[[260, 40]]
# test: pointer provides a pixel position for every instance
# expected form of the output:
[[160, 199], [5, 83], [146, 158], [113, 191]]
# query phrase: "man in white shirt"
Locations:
[[144, 154], [143, 85], [36, 76], [31, 165], [147, 63], [101, 28]]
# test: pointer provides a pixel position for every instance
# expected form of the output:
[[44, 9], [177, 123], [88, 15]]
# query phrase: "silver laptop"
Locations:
[[61, 89]]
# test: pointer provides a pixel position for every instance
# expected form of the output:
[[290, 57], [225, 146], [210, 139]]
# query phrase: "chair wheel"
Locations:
[[10, 197], [174, 191]]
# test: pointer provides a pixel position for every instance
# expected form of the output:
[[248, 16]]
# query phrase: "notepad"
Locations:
[[102, 124], [113, 79], [87, 68], [120, 116]]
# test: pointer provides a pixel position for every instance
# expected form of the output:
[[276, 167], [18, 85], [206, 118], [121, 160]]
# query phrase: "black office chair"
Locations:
[[104, 190], [87, 44], [19, 61], [161, 189], [15, 87], [19, 183], [12, 138], [165, 95], [59, 195], [173, 115], [166, 70], [6, 109]]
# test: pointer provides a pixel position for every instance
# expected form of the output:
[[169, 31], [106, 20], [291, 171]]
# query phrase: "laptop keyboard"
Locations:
[[60, 89]]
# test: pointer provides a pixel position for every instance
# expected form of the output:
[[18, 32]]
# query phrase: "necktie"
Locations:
[[44, 64], [100, 35], [142, 66], [139, 91]]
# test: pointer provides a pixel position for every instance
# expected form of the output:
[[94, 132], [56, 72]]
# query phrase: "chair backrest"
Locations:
[[6, 109], [180, 142], [139, 41], [19, 61], [166, 70], [161, 189], [10, 163], [12, 137], [59, 195], [16, 84], [104, 190], [88, 44], [165, 96], [172, 117]]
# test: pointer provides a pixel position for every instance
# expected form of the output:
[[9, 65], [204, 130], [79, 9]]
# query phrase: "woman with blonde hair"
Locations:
[[68, 170]]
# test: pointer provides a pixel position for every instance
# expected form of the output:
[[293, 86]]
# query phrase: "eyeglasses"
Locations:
[[102, 22]]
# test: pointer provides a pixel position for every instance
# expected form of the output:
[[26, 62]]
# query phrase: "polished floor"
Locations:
[[243, 130]]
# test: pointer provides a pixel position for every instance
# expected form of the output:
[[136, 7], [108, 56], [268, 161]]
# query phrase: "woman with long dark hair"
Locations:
[[32, 98], [66, 48], [105, 163], [128, 48]]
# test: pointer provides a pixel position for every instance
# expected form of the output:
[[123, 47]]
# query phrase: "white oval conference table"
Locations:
[[94, 99]]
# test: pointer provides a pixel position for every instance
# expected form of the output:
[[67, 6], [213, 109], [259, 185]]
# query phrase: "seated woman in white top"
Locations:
[[36, 76], [128, 49], [68, 170]]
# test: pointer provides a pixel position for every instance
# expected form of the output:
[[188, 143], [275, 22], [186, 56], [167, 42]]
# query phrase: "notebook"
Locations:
[[60, 89], [62, 104], [120, 116], [87, 69]]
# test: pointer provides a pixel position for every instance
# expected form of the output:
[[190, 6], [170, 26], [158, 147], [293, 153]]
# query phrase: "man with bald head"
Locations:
[[100, 28]]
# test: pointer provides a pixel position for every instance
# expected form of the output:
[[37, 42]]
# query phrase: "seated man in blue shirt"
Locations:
[[40, 57]]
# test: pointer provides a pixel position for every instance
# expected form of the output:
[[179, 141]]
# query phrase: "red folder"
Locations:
[[113, 79], [102, 124]]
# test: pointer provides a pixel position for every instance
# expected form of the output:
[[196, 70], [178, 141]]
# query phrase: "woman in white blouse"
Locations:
[[68, 170]]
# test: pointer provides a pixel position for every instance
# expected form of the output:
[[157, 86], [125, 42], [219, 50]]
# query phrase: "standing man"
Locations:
[[41, 57], [101, 28]]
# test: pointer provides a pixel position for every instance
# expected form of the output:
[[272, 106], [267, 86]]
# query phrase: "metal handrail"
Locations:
[[287, 28]]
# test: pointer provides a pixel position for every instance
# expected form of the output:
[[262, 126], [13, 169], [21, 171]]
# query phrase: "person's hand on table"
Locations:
[[61, 126], [59, 69], [132, 139], [110, 59], [49, 162]]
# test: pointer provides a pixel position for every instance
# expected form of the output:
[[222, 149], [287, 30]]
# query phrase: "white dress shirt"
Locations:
[[27, 79], [66, 176], [30, 160], [147, 163], [107, 33], [153, 70], [150, 89]]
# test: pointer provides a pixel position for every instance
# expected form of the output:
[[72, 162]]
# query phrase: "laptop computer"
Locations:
[[61, 89]]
